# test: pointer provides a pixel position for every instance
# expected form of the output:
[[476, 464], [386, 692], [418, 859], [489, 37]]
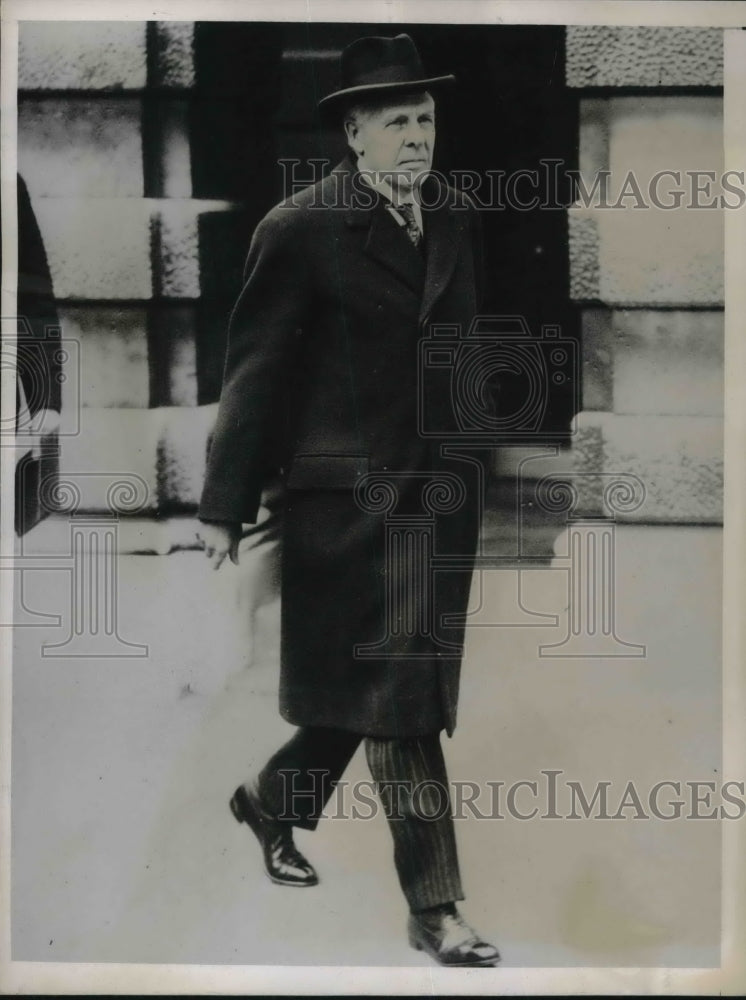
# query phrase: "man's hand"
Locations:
[[219, 541]]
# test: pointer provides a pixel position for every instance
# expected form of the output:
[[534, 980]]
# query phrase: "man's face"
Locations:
[[396, 140]]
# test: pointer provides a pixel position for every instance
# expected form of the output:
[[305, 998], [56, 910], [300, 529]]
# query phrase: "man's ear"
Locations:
[[352, 131]]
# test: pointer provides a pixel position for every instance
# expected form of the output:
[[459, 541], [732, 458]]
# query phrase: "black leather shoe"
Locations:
[[283, 862], [444, 934]]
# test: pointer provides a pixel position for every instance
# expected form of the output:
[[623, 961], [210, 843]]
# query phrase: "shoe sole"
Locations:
[[486, 963], [255, 828], [290, 885]]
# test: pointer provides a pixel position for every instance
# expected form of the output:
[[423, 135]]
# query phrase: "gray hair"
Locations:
[[364, 108]]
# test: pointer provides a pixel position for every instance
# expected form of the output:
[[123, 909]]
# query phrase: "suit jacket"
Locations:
[[324, 377]]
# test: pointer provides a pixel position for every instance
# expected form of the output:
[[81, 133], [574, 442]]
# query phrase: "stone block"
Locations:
[[182, 453], [652, 133], [648, 254], [82, 55], [598, 360], [162, 450], [176, 243], [97, 249], [174, 54], [102, 248], [80, 148], [668, 362], [587, 459], [173, 356], [646, 260], [678, 460], [593, 148], [183, 367], [174, 167], [182, 371], [114, 445], [657, 255], [113, 354], [657, 362], [583, 249], [643, 56]]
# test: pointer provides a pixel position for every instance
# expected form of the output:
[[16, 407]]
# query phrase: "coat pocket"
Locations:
[[326, 472]]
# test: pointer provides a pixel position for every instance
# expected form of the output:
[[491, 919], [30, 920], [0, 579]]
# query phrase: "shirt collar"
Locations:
[[380, 184]]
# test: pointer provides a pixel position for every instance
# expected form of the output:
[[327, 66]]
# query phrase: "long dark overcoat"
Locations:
[[325, 369]]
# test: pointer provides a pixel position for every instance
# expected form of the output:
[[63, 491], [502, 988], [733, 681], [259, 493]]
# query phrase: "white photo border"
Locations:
[[68, 978]]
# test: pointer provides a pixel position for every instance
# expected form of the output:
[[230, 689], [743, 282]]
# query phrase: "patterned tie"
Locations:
[[413, 230]]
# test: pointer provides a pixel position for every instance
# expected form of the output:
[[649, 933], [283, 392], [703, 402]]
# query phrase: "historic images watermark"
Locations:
[[551, 186], [549, 796], [89, 567]]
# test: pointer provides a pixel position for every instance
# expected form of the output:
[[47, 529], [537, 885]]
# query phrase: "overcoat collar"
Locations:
[[364, 209]]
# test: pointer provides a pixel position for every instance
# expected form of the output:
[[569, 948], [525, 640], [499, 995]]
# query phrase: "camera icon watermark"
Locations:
[[46, 368], [459, 375]]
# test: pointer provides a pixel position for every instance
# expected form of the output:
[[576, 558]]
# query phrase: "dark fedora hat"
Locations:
[[375, 66]]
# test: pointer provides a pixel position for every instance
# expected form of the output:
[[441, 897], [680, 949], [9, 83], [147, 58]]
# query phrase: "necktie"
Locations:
[[413, 230]]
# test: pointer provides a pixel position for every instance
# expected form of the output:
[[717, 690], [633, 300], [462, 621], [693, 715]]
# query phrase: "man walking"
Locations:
[[342, 282]]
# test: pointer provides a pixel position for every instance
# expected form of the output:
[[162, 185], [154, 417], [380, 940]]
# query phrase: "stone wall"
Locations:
[[649, 281], [130, 200], [115, 251]]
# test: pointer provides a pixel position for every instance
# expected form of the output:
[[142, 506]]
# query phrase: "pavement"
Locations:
[[123, 846]]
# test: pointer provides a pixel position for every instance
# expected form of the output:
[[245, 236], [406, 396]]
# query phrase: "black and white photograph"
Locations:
[[372, 544]]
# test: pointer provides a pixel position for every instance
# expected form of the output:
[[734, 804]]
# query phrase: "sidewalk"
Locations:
[[124, 849]]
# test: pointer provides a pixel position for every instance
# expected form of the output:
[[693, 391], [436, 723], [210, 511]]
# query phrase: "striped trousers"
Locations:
[[412, 783]]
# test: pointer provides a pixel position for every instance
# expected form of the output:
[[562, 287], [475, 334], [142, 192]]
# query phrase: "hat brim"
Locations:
[[340, 97]]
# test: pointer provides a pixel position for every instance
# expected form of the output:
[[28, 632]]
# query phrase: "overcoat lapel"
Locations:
[[390, 246], [443, 229], [383, 240]]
